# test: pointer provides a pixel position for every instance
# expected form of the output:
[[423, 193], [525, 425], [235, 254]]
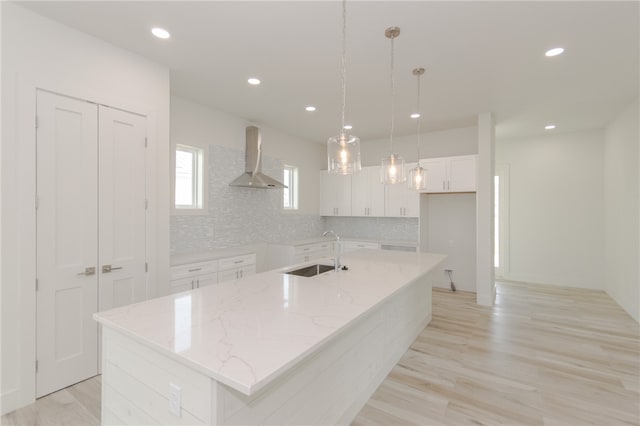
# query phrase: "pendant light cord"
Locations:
[[344, 61], [419, 115], [392, 97]]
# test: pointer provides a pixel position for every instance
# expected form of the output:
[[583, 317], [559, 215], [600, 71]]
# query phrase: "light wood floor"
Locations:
[[540, 356]]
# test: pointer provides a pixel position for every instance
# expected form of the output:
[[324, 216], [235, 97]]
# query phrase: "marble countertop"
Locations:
[[246, 333]]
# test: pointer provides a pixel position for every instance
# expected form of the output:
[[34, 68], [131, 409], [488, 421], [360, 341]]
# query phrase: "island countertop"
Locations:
[[248, 332]]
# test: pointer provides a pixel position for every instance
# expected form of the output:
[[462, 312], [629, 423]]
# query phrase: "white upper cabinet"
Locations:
[[450, 174], [367, 193], [400, 200], [335, 194]]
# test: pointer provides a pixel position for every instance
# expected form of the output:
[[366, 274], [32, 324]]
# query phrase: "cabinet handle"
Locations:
[[193, 285], [448, 184], [195, 269], [90, 270], [443, 185], [238, 261], [241, 274], [197, 283]]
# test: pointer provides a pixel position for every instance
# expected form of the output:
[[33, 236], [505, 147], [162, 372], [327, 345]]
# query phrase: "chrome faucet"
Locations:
[[336, 261]]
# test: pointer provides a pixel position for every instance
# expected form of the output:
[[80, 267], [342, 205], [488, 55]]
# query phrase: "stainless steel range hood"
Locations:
[[253, 176]]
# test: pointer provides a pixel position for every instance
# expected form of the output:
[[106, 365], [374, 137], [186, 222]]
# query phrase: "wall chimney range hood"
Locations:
[[253, 176]]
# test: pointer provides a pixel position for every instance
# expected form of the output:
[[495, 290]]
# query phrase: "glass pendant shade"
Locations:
[[393, 170], [417, 178], [343, 154]]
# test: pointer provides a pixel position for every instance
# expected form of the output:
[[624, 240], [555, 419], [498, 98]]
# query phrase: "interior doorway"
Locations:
[[501, 220]]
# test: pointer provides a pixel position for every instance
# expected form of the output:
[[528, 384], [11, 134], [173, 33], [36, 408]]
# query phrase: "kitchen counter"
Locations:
[[251, 333]]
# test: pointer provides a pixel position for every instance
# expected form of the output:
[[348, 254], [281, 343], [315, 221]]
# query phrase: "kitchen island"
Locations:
[[272, 348]]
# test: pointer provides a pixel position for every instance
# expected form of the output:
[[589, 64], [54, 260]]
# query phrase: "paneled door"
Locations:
[[67, 241], [91, 230], [122, 215]]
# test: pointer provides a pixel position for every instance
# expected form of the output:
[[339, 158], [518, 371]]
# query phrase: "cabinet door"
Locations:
[[436, 174], [228, 275], [182, 284], [462, 174], [205, 280], [335, 194], [245, 271], [394, 199], [360, 193], [376, 192]]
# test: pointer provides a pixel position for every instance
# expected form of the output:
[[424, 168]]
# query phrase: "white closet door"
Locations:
[[67, 241], [122, 214]]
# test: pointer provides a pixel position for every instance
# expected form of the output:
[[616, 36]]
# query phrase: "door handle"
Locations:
[[90, 270], [108, 268]]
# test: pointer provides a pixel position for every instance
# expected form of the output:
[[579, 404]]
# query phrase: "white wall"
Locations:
[[556, 208], [621, 201], [443, 143], [196, 124], [38, 52]]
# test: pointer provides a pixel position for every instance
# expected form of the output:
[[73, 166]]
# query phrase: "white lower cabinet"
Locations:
[[348, 246], [200, 274]]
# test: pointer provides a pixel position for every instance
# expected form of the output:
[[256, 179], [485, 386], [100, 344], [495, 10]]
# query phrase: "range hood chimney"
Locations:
[[253, 176]]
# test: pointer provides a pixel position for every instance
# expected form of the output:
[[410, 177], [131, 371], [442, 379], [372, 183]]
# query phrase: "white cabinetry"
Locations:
[[367, 193], [310, 252], [450, 174], [335, 194], [193, 275], [400, 200], [234, 268], [348, 246], [281, 255]]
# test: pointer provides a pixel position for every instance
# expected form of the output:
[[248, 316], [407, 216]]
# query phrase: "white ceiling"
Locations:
[[480, 56]]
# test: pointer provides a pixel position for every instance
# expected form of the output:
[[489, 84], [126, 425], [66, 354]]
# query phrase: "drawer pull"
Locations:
[[239, 261], [195, 269]]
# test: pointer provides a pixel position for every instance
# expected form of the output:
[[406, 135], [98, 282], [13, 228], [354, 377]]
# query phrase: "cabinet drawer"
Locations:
[[193, 269], [236, 261], [311, 248], [236, 273], [356, 245]]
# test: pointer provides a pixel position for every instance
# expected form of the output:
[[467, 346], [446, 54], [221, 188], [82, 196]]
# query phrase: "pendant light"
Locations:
[[392, 170], [417, 176], [343, 150]]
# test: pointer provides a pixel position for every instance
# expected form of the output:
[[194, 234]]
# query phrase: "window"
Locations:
[[291, 192], [189, 189]]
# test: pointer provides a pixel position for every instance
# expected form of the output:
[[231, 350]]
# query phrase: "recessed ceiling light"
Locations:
[[550, 127], [554, 52], [310, 108], [348, 127], [253, 81], [415, 115], [160, 33]]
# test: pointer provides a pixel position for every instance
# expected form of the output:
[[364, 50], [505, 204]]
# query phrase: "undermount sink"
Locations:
[[311, 270]]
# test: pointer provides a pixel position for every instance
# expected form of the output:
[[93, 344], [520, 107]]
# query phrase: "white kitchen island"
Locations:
[[271, 348]]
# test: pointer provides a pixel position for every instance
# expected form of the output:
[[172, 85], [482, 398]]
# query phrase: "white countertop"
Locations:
[[246, 333]]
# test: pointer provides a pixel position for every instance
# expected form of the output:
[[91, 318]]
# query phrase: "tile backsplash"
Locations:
[[240, 216]]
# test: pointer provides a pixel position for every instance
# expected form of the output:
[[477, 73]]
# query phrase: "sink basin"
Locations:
[[311, 270]]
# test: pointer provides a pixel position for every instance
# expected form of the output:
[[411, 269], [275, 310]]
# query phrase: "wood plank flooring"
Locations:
[[541, 356]]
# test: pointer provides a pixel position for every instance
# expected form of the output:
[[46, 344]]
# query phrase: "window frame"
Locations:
[[199, 181], [292, 188]]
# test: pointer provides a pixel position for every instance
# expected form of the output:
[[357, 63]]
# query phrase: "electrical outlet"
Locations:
[[175, 400]]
